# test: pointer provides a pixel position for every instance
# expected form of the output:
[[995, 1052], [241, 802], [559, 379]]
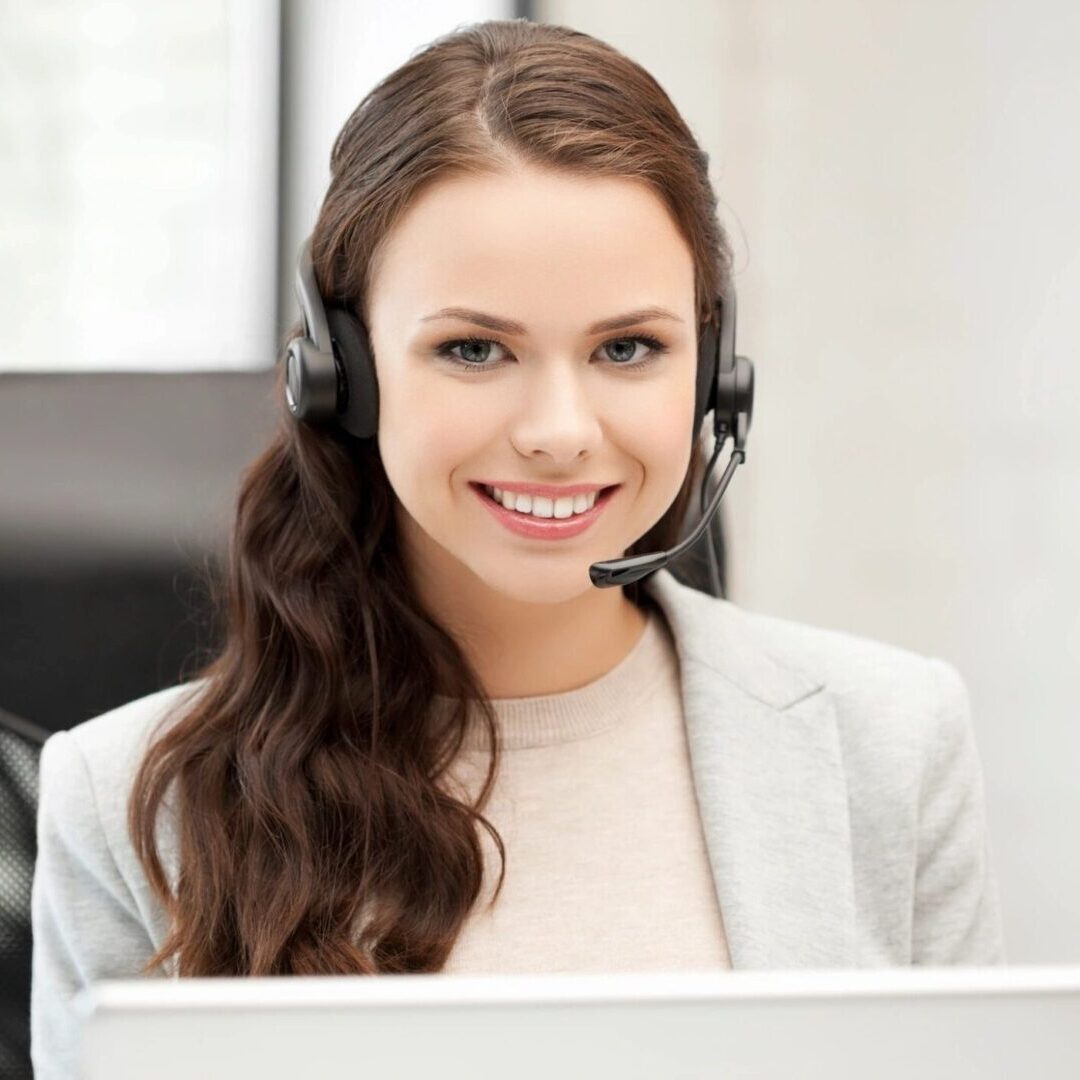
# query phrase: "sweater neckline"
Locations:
[[548, 719]]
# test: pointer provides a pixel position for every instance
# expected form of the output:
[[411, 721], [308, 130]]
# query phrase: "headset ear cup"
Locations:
[[311, 382], [744, 388], [358, 409]]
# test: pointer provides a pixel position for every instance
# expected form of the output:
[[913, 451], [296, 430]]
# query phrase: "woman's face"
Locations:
[[549, 401]]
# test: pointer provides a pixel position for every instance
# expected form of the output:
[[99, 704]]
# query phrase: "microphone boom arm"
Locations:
[[627, 570]]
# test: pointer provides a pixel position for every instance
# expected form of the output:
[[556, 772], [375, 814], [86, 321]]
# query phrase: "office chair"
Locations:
[[20, 747]]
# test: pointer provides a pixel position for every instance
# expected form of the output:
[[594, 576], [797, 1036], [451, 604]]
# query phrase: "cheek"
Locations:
[[657, 425], [661, 441], [425, 443], [423, 432], [668, 459]]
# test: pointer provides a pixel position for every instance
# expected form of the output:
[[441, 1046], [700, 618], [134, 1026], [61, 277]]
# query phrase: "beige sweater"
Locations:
[[606, 866]]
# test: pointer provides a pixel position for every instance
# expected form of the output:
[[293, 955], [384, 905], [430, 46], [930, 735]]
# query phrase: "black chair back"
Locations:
[[20, 747]]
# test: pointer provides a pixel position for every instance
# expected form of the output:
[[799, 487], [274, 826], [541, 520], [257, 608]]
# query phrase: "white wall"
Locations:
[[901, 182]]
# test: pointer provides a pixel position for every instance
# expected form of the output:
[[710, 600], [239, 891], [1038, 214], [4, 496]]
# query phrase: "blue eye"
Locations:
[[446, 352]]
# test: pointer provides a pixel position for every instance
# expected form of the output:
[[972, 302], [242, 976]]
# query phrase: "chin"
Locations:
[[539, 580]]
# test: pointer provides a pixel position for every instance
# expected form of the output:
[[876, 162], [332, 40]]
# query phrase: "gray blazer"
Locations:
[[837, 777]]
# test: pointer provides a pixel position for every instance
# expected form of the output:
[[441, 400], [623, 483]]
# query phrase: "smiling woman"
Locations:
[[317, 800], [531, 182]]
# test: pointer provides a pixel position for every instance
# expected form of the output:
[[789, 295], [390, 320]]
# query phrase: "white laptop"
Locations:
[[925, 1023]]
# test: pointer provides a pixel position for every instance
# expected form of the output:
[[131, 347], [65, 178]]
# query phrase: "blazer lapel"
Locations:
[[772, 793]]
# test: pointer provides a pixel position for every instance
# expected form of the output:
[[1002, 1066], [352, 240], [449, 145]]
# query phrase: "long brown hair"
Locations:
[[306, 775]]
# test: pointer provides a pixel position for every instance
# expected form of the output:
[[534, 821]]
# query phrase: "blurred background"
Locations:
[[900, 183]]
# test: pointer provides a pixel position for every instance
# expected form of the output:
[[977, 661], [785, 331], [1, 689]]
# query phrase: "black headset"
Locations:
[[330, 381]]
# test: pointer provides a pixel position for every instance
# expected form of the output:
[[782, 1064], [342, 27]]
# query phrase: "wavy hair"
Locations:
[[313, 833]]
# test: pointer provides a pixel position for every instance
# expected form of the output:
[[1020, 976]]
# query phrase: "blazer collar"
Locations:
[[772, 793]]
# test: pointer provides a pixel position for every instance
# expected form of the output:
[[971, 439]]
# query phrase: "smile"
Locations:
[[544, 528]]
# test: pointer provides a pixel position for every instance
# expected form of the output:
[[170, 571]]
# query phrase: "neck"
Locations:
[[521, 648]]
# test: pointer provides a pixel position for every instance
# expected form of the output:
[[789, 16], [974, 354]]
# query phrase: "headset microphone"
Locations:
[[726, 386], [330, 380], [625, 570]]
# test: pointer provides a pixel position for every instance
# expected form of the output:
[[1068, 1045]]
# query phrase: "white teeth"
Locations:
[[539, 506]]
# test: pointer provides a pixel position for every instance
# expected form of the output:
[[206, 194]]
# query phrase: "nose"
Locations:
[[558, 414]]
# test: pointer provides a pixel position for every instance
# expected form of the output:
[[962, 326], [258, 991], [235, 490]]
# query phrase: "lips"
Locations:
[[545, 528]]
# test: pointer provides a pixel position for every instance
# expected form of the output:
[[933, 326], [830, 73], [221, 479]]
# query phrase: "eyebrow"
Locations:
[[508, 326]]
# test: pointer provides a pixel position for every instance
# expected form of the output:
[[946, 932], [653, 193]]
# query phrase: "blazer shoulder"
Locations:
[[875, 687], [111, 740], [89, 768], [881, 691], [839, 658]]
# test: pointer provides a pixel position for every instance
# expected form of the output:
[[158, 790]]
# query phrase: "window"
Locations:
[[138, 179]]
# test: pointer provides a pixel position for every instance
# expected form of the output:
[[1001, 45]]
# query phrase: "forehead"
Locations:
[[527, 241]]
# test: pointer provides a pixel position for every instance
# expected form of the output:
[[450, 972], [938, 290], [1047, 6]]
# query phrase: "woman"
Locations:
[[413, 693]]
